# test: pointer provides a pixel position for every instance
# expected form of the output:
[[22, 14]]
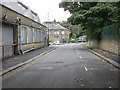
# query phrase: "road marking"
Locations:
[[80, 57], [45, 67], [86, 69], [82, 85]]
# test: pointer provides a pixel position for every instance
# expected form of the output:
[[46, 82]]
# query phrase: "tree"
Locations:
[[76, 30], [92, 16]]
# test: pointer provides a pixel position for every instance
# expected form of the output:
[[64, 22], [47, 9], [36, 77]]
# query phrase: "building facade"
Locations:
[[57, 33], [20, 28]]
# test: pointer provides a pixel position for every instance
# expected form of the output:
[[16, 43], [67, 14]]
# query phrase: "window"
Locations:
[[63, 32], [55, 38], [30, 35], [23, 35], [55, 32], [48, 32]]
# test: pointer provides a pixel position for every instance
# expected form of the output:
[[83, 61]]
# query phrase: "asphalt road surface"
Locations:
[[69, 66]]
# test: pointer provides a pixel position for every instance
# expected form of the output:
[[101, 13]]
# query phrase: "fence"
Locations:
[[110, 31]]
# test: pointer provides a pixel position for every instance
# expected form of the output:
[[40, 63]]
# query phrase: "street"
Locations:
[[69, 66]]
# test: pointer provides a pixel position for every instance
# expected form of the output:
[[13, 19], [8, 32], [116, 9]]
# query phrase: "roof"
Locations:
[[53, 26], [19, 7]]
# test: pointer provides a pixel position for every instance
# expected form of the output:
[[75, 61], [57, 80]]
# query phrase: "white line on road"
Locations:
[[86, 69], [80, 57], [45, 67]]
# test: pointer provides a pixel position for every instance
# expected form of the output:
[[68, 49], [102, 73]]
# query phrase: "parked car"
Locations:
[[50, 43], [56, 43], [79, 40]]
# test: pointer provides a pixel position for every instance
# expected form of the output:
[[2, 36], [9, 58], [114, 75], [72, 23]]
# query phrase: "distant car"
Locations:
[[50, 43], [79, 40], [84, 40], [56, 43]]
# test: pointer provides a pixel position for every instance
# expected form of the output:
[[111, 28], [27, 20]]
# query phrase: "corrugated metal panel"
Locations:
[[42, 36], [23, 35], [35, 36], [39, 36], [0, 41], [30, 35], [7, 39]]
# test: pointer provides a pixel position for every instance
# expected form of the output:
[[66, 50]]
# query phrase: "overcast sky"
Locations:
[[43, 7]]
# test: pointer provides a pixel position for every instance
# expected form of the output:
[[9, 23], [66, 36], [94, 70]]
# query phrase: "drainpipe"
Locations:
[[19, 40]]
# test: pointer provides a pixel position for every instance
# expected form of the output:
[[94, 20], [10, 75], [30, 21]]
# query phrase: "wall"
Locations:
[[110, 39], [110, 44], [30, 38], [33, 45]]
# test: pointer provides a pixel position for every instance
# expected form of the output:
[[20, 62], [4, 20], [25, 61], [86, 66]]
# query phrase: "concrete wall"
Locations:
[[110, 44]]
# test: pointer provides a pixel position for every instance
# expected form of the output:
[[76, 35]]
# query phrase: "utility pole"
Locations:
[[48, 28]]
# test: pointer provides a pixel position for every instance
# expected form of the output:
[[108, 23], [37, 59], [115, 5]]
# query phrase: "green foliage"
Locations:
[[76, 30], [50, 40], [93, 16], [110, 31]]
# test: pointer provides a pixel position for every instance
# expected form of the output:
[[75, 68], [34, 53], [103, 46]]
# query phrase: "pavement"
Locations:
[[18, 60], [107, 56], [69, 66]]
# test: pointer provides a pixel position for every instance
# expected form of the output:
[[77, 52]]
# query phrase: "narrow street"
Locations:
[[69, 66]]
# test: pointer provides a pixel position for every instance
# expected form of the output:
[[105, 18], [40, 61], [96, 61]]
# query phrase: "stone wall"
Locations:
[[25, 47], [110, 44]]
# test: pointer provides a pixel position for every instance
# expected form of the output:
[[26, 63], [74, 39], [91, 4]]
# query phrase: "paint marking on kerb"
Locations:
[[86, 69], [80, 57]]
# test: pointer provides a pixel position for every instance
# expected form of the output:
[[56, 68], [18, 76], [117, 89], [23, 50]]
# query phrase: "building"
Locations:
[[57, 33], [20, 28]]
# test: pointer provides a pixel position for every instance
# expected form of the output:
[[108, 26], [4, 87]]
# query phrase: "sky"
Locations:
[[43, 7]]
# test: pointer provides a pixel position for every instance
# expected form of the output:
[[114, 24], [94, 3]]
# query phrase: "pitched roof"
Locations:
[[53, 26], [19, 7]]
